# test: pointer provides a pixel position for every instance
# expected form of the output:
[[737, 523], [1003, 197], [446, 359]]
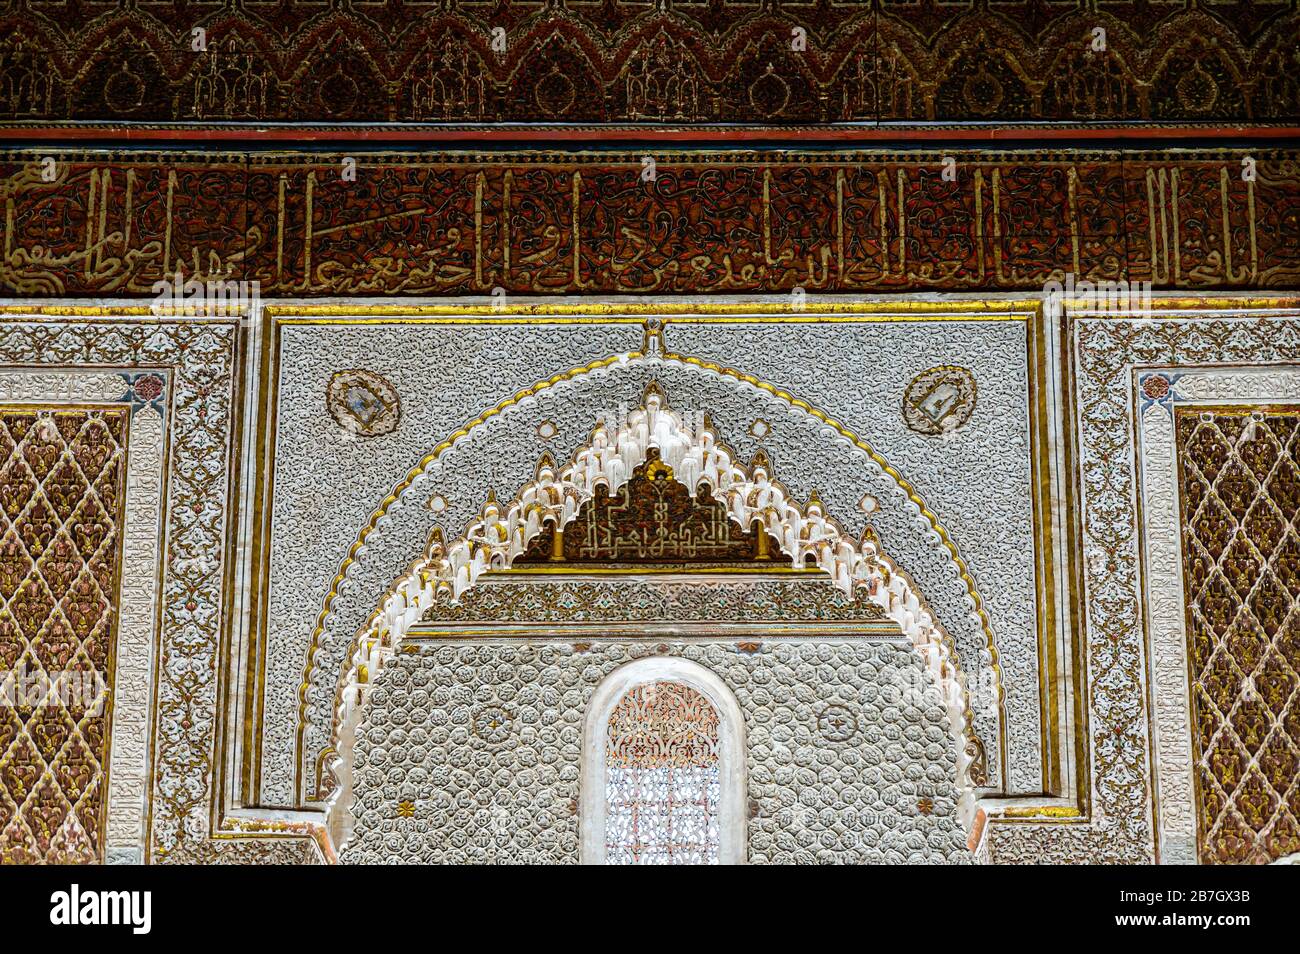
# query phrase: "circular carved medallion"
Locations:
[[364, 403], [837, 723], [555, 92], [124, 90], [1155, 386], [492, 724], [939, 400]]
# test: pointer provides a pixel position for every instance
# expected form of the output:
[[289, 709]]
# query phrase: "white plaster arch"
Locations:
[[731, 752], [699, 458], [347, 612]]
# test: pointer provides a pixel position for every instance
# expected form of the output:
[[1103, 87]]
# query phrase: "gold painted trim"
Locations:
[[1059, 812], [1046, 614], [227, 773], [234, 313], [632, 312], [262, 490], [1195, 307], [1073, 526]]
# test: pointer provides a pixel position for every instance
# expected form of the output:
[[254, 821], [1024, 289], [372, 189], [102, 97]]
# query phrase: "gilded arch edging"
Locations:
[[958, 563]]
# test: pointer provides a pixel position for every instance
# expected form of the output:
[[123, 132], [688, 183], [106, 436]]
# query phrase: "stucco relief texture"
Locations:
[[328, 480], [431, 789], [322, 479], [976, 478]]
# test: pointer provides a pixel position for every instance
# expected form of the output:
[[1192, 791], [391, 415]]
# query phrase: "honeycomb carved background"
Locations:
[[432, 789], [1240, 499]]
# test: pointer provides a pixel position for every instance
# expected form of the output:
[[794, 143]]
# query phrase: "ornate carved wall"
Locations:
[[500, 454], [831, 420], [63, 493], [547, 223], [1240, 494], [691, 61], [1134, 653], [440, 253], [176, 379], [436, 786]]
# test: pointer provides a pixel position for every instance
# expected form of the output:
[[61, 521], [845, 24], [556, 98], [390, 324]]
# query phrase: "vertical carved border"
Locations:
[[142, 547], [126, 764], [1164, 595], [1102, 357]]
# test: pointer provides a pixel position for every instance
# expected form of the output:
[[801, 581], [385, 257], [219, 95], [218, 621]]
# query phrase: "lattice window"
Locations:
[[661, 778]]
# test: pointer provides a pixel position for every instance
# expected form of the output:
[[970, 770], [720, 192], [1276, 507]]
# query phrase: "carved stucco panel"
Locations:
[[502, 453], [328, 480], [976, 477], [1168, 649], [432, 789], [128, 753], [1165, 593], [1105, 353], [136, 637], [200, 359]]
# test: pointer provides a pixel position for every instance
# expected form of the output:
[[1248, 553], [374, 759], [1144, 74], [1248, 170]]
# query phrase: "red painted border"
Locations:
[[599, 135]]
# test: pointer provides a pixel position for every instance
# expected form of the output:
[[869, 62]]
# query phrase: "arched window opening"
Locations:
[[663, 767], [662, 785]]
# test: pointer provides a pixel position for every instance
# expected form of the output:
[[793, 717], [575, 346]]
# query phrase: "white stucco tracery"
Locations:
[[493, 441], [702, 463]]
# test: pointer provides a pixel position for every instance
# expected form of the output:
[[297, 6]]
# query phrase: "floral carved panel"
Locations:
[[176, 379], [1133, 644]]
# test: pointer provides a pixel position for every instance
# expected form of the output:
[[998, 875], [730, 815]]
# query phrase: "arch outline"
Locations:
[[732, 770], [652, 349]]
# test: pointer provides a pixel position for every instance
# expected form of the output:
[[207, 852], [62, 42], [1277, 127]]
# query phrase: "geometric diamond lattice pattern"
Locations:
[[1239, 474], [61, 497]]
